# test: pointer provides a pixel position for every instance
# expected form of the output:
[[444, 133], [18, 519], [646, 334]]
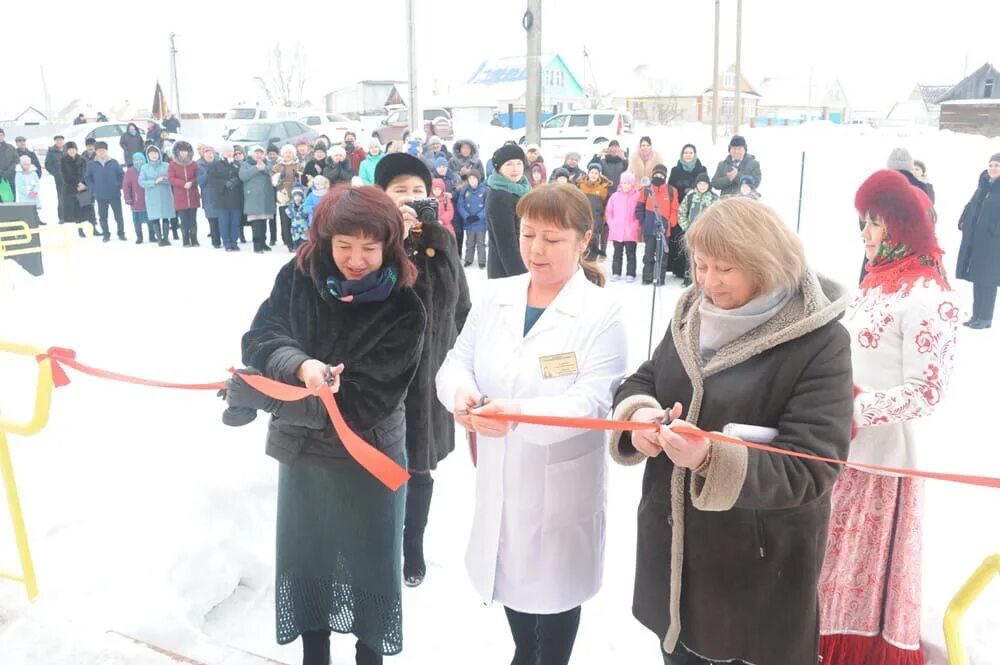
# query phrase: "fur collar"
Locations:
[[817, 302]]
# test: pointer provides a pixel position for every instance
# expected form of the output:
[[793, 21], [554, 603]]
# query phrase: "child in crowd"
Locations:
[[26, 183], [471, 208], [320, 186], [623, 227], [446, 211], [597, 188], [297, 217], [695, 202]]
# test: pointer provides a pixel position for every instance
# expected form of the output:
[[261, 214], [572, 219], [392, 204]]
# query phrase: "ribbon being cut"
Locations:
[[393, 476]]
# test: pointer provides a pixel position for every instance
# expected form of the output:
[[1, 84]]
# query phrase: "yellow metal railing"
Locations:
[[989, 569], [39, 418], [16, 238]]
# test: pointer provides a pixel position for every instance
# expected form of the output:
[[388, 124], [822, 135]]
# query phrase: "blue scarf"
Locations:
[[373, 287]]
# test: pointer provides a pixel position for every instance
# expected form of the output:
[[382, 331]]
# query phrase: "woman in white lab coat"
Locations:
[[549, 342]]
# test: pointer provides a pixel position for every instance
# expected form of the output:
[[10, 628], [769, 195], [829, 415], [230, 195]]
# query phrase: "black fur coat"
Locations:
[[444, 291], [379, 344]]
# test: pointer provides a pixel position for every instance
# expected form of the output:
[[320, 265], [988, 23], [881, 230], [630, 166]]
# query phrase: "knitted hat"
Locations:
[[900, 160], [398, 164], [302, 141], [560, 172], [440, 161], [72, 145], [613, 143], [439, 184], [748, 180], [506, 153], [995, 157], [702, 177], [320, 146], [888, 195], [101, 145], [595, 165], [737, 142], [272, 148], [238, 150], [661, 169], [435, 140], [257, 148]]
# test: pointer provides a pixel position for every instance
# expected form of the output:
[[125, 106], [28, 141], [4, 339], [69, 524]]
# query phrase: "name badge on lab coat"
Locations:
[[559, 365]]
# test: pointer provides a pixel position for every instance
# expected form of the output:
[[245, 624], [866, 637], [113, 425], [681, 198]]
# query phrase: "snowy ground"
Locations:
[[149, 517]]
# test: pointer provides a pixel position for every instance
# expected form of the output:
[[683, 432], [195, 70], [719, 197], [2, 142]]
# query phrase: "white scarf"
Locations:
[[722, 326]]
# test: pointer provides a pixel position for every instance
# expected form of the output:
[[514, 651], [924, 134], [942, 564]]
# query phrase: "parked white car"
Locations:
[[241, 115], [333, 125], [589, 126]]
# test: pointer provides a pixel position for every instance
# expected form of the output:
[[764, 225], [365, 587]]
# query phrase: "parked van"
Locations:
[[590, 125]]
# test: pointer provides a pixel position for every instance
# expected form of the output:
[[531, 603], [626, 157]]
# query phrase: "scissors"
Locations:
[[471, 436]]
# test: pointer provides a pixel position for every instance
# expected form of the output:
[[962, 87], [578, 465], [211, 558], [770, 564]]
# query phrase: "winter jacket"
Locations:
[[367, 169], [504, 257], [903, 353], [159, 197], [134, 194], [461, 165], [179, 175], [314, 168], [446, 210], [623, 224], [747, 166], [52, 163], [338, 173], [26, 188], [643, 169], [728, 559], [444, 291], [131, 144], [979, 253], [8, 162], [309, 205], [537, 165], [428, 156], [224, 182], [104, 180], [290, 175], [575, 173], [379, 344], [597, 195], [172, 124], [355, 157], [208, 194], [298, 221], [258, 192], [613, 167], [21, 152], [664, 200], [471, 207], [154, 135], [73, 170], [694, 204], [683, 180]]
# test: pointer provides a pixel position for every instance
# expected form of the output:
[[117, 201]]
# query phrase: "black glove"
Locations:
[[244, 400], [640, 210]]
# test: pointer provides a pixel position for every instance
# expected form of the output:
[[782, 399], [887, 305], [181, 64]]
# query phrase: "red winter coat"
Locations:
[[178, 174], [135, 195], [355, 158], [446, 209]]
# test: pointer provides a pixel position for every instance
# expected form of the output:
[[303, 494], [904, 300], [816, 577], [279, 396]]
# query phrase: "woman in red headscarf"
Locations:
[[903, 327]]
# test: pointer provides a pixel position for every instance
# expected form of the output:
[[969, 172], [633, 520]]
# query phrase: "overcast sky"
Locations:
[[115, 50]]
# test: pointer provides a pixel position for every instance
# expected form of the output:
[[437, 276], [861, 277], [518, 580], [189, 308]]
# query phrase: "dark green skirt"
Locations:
[[340, 535]]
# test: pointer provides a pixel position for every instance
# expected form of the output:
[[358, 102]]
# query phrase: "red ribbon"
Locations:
[[373, 460], [691, 430]]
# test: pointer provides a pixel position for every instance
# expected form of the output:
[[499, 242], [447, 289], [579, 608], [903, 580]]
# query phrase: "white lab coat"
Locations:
[[537, 541]]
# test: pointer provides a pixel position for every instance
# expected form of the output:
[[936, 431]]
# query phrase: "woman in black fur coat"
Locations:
[[343, 314], [442, 287]]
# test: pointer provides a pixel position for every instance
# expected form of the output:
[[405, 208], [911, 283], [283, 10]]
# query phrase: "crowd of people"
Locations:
[[799, 559]]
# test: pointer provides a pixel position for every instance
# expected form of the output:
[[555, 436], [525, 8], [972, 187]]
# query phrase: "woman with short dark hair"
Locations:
[[342, 313]]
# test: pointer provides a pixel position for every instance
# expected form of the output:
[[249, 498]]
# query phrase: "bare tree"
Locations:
[[665, 108], [285, 82]]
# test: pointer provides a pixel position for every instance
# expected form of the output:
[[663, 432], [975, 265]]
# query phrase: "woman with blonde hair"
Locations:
[[550, 341], [731, 540]]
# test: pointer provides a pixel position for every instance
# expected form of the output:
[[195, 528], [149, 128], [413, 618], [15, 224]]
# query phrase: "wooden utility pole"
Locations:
[[175, 90], [532, 23], [416, 115], [738, 115], [715, 80]]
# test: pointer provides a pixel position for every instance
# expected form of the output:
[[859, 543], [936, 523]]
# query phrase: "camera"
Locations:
[[426, 209]]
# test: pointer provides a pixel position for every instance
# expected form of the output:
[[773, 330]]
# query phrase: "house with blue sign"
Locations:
[[502, 84]]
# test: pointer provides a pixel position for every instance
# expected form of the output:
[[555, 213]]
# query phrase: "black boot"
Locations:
[[138, 232], [418, 505], [174, 226], [165, 233], [365, 656], [316, 647]]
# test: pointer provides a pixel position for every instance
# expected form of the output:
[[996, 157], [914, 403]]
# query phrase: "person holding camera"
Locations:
[[441, 286], [549, 342]]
